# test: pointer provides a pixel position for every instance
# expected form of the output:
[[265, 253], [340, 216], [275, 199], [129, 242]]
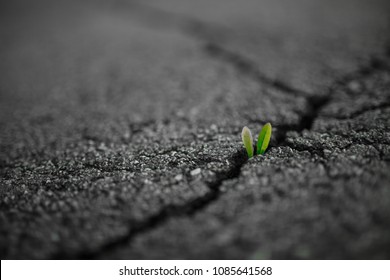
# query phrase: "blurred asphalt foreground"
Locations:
[[120, 127]]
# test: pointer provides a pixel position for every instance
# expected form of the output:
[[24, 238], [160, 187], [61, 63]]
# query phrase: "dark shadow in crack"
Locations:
[[138, 227]]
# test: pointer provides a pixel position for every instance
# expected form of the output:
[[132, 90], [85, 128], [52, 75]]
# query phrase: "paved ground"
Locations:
[[120, 129]]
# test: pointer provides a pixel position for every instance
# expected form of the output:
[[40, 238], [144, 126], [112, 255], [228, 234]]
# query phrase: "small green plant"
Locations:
[[262, 140], [246, 136]]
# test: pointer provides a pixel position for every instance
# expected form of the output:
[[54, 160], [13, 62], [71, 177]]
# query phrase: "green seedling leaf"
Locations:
[[247, 140], [263, 139]]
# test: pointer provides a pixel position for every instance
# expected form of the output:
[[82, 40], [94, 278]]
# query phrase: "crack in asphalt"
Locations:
[[205, 32], [170, 211], [366, 109], [245, 66], [315, 104], [158, 18]]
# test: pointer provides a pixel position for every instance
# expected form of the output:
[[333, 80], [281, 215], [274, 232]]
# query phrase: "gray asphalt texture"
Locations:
[[120, 127]]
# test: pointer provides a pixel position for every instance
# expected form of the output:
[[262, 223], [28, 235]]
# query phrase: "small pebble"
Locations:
[[195, 172], [179, 177]]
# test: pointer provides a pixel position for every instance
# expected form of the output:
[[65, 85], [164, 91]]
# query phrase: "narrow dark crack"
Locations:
[[245, 66], [375, 64], [314, 106], [168, 212], [316, 103], [362, 111], [207, 33], [157, 18]]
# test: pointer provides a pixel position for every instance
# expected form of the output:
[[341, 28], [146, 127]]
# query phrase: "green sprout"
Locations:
[[246, 136], [262, 140]]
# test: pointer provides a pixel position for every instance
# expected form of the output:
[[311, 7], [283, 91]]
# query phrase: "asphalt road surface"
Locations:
[[120, 128]]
